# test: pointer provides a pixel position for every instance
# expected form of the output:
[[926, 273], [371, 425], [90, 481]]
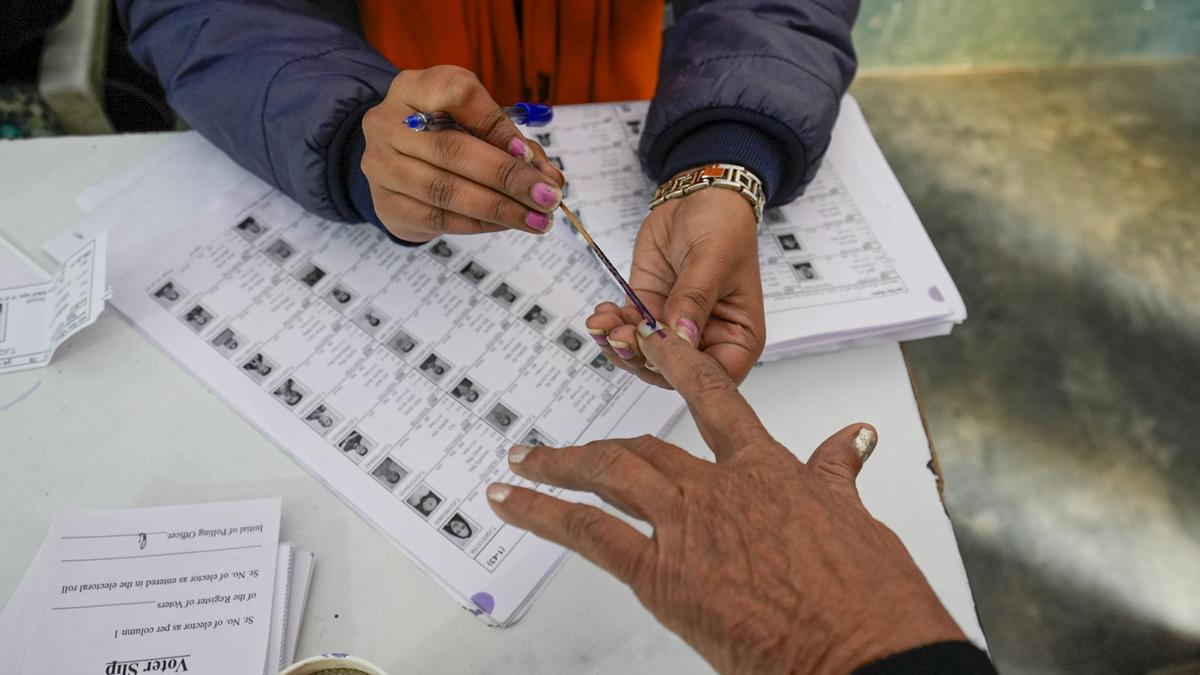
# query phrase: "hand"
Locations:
[[761, 562], [695, 266], [486, 178]]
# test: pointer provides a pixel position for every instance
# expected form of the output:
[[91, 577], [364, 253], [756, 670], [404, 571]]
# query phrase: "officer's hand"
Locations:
[[486, 178]]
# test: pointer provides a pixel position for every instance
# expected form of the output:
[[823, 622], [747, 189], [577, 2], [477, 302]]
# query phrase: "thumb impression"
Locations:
[[842, 455]]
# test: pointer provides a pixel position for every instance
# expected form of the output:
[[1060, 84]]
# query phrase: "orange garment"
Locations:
[[567, 51]]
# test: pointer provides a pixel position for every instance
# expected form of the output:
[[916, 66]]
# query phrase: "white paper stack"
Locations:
[[846, 264], [201, 588]]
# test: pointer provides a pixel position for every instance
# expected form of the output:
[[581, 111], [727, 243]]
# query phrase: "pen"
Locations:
[[528, 114], [537, 115], [637, 302]]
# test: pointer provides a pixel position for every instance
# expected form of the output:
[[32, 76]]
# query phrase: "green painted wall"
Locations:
[[903, 34]]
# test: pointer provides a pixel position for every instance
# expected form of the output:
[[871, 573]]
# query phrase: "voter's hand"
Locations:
[[695, 266], [761, 562], [486, 178]]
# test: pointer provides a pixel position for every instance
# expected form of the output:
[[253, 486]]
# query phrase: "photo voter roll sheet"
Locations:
[[397, 376]]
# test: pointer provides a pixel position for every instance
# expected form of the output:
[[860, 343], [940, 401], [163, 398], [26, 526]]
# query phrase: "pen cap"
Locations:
[[536, 114]]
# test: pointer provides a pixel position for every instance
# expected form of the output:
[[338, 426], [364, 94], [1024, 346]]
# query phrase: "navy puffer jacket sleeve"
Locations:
[[277, 84], [752, 82]]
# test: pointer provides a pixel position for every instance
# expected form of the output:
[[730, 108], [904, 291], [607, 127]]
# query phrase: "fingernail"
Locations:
[[601, 340], [518, 453], [498, 492], [687, 330], [537, 220], [621, 348], [519, 148], [646, 331], [864, 442], [546, 195]]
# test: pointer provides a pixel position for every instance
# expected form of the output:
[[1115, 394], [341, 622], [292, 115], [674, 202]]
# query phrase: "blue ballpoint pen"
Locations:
[[528, 114]]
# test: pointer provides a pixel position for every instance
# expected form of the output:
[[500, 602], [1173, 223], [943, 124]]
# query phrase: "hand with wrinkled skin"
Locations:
[[695, 266], [761, 562], [486, 177]]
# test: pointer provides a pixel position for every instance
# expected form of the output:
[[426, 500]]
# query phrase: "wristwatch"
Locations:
[[728, 176]]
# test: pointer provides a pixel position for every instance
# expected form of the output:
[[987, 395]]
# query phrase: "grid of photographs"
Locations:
[[386, 469]]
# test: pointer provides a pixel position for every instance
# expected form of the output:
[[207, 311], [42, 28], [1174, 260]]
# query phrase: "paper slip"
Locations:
[[37, 316], [165, 589]]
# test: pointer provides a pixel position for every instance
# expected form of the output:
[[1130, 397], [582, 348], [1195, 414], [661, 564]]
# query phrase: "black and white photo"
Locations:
[[441, 250], [168, 294], [389, 473], [258, 367], [370, 320], [473, 272], [467, 391], [280, 251], [423, 500], [459, 529], [535, 437], [505, 295], [228, 342], [806, 270], [501, 418], [603, 366], [570, 340], [537, 317], [789, 242], [435, 367], [322, 418], [250, 229], [290, 393], [355, 445], [198, 318], [402, 343], [340, 297], [310, 274]]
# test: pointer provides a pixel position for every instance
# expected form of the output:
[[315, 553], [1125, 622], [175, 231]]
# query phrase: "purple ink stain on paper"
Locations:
[[485, 602]]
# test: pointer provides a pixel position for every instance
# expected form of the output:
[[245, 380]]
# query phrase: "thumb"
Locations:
[[842, 455], [691, 301]]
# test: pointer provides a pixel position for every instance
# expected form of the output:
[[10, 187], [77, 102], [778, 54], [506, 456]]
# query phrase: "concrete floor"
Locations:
[[1066, 204]]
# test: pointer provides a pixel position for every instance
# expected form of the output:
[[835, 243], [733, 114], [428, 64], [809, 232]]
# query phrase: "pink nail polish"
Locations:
[[538, 221], [601, 340], [621, 348], [518, 148], [546, 195], [693, 332]]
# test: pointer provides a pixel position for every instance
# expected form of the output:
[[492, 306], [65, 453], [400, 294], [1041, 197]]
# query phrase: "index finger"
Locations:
[[724, 418], [457, 91]]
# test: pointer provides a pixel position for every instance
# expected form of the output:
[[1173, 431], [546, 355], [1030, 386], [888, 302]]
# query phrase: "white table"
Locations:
[[113, 422]]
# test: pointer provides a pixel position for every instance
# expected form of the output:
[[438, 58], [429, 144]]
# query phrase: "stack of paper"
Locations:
[[203, 588], [399, 377], [848, 263]]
